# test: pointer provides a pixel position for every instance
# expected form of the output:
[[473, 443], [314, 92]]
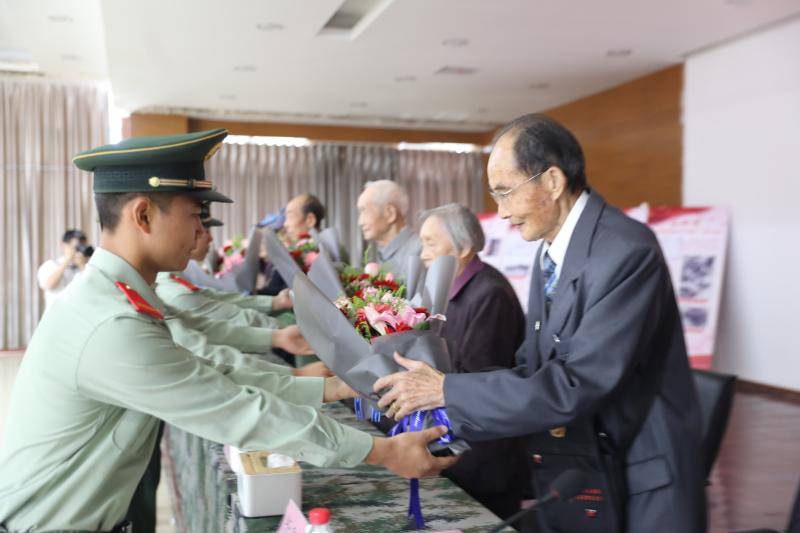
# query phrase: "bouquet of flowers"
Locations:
[[355, 281], [304, 251], [232, 254], [358, 333], [380, 310]]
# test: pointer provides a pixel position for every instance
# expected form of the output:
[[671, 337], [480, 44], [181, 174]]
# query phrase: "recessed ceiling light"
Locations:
[[403, 79], [739, 3], [227, 97], [455, 42], [70, 57], [245, 68], [270, 26], [541, 86], [457, 71], [619, 52], [358, 104], [59, 18]]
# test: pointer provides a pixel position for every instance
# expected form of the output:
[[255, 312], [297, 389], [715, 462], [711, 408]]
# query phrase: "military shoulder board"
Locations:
[[140, 304], [185, 282]]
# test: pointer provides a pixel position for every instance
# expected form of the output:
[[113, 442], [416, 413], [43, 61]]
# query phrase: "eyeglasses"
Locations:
[[504, 195]]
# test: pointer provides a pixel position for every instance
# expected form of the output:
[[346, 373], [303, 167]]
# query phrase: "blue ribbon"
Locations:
[[358, 407], [416, 422]]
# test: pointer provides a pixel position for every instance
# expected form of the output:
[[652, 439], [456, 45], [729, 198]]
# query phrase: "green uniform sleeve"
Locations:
[[261, 303], [200, 304], [198, 344], [226, 405], [245, 338]]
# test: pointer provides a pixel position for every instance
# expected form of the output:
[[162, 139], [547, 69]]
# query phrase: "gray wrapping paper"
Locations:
[[325, 276], [328, 239], [358, 362], [280, 257], [415, 276], [247, 273]]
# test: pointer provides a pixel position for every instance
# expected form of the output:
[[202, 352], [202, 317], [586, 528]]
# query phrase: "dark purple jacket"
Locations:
[[485, 326]]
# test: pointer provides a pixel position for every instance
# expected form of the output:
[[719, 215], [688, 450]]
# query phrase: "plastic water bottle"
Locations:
[[320, 520]]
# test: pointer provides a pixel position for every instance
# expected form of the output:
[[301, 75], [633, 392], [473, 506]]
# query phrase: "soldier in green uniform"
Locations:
[[101, 368], [240, 309]]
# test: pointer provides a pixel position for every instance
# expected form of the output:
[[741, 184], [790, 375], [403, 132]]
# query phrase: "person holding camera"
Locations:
[[55, 274]]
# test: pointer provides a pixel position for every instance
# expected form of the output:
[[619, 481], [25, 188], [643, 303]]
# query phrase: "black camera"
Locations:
[[85, 249]]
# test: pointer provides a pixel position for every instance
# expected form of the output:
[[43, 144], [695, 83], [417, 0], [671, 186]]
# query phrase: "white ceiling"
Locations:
[[209, 58]]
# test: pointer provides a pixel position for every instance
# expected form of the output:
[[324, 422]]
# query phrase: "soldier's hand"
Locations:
[[291, 340], [314, 370], [407, 454], [336, 389], [282, 300]]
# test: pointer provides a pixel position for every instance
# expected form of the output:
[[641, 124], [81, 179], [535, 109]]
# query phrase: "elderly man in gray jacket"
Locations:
[[382, 217], [602, 381]]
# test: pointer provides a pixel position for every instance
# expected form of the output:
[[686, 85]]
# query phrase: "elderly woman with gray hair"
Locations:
[[485, 326]]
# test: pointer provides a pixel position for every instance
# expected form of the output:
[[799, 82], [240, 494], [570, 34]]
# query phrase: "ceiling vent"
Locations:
[[353, 16], [457, 71]]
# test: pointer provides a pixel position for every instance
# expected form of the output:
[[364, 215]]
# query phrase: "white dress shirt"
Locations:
[[557, 250]]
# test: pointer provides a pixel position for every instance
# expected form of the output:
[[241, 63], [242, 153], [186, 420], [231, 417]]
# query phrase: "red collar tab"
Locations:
[[185, 282], [140, 304]]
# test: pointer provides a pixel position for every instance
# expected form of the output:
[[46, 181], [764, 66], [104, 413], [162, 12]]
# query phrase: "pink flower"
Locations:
[[389, 276], [309, 258], [411, 317], [373, 269], [379, 320]]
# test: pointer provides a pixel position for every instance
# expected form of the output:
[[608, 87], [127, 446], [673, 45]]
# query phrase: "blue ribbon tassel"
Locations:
[[416, 422], [358, 407]]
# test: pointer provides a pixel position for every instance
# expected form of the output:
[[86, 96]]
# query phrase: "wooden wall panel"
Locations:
[[140, 124], [632, 138], [320, 132]]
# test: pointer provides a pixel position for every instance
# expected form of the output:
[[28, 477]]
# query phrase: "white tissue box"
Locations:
[[265, 491]]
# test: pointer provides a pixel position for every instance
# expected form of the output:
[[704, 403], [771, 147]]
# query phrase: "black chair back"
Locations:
[[715, 392]]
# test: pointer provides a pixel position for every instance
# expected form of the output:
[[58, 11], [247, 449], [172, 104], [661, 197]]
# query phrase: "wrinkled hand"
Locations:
[[291, 340], [421, 387], [407, 454], [314, 370], [336, 389], [282, 300]]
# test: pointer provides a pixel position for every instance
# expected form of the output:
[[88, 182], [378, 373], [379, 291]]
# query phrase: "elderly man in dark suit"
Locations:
[[485, 326], [602, 382]]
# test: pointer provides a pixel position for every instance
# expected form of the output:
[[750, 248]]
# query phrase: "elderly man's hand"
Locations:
[[421, 387]]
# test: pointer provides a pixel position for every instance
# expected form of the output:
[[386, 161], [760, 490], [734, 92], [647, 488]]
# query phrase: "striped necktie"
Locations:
[[550, 279]]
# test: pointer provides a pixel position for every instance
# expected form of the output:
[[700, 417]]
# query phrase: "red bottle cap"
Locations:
[[319, 516]]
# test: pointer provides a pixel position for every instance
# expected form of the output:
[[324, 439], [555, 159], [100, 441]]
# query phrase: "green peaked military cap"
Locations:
[[171, 163], [206, 219]]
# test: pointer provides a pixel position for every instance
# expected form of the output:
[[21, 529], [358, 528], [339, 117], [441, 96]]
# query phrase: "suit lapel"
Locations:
[[574, 263], [535, 313]]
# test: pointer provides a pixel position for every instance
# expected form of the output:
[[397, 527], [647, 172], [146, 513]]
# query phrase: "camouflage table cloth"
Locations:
[[366, 498]]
